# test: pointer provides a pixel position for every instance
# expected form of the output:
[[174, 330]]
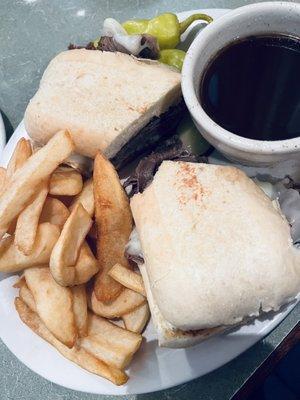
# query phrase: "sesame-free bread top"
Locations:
[[167, 334], [102, 98], [216, 250]]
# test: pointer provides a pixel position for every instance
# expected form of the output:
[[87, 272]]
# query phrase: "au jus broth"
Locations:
[[252, 88]]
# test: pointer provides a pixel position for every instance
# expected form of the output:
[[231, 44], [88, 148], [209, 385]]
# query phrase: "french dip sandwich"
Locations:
[[215, 251], [108, 101]]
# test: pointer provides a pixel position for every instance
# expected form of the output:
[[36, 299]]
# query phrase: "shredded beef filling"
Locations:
[[148, 138], [171, 149], [142, 176], [149, 46]]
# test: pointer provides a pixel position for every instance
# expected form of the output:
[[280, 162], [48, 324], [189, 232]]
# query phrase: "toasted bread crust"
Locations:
[[103, 98], [214, 246]]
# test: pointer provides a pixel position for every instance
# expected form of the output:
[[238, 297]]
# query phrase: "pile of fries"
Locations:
[[67, 234]]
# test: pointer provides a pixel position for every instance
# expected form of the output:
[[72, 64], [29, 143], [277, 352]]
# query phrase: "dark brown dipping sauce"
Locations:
[[252, 88]]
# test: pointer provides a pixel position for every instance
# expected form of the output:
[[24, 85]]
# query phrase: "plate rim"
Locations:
[[123, 390]]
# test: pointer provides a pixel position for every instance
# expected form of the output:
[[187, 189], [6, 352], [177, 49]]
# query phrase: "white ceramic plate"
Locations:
[[153, 368]]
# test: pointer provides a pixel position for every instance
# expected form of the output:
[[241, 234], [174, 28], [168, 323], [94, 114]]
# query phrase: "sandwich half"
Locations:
[[216, 251], [111, 102]]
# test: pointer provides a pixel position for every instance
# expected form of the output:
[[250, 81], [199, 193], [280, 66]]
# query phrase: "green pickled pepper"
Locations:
[[173, 57], [165, 27]]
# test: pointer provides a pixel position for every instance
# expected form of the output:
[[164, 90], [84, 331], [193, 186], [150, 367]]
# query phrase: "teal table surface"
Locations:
[[31, 33]]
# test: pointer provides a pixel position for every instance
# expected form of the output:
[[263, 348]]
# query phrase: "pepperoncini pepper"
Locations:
[[165, 27], [173, 57]]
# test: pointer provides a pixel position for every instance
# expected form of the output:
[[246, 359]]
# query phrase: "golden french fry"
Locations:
[[55, 212], [65, 181], [114, 225], [54, 304], [37, 168], [66, 250], [20, 282], [114, 345], [12, 227], [86, 266], [78, 355], [126, 302], [101, 326], [86, 198], [13, 260], [28, 220], [80, 309], [26, 296], [128, 278], [20, 155], [136, 320], [102, 349], [2, 178]]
